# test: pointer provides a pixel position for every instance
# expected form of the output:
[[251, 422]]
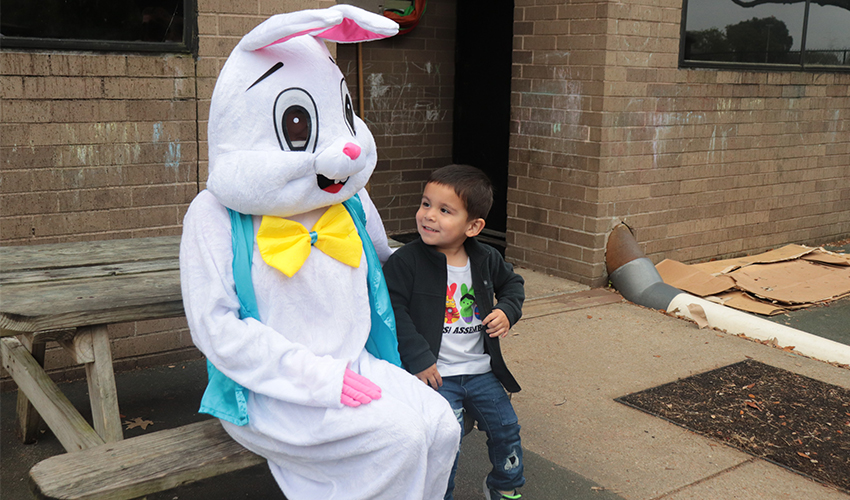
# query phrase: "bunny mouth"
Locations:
[[332, 186]]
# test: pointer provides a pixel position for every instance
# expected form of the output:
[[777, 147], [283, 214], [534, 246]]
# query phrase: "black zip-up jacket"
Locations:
[[416, 277]]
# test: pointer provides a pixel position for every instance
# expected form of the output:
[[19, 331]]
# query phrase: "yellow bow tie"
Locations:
[[285, 244]]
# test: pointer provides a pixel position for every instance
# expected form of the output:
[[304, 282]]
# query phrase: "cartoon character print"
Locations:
[[468, 307], [452, 314]]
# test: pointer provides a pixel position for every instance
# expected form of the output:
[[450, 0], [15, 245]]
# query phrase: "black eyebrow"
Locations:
[[271, 70]]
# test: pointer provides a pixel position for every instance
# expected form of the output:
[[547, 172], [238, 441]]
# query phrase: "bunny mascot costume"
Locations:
[[280, 268]]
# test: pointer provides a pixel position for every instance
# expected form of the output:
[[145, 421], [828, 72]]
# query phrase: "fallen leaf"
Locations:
[[138, 422]]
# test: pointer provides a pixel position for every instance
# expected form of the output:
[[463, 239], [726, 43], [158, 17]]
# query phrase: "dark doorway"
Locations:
[[483, 98]]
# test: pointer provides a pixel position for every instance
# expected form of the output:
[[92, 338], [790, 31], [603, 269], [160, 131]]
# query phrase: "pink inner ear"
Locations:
[[290, 37], [348, 31]]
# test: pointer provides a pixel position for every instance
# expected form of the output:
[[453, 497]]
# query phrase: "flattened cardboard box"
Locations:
[[790, 277]]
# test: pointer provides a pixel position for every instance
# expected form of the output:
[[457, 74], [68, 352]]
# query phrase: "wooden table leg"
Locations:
[[28, 418], [69, 427], [101, 380]]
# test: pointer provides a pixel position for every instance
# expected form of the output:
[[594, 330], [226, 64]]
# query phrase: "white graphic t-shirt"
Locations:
[[462, 346]]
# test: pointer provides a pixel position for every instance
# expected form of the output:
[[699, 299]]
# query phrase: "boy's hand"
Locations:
[[431, 377], [497, 323]]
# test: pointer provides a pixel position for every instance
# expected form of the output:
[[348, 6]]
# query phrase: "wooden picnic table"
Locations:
[[69, 293]]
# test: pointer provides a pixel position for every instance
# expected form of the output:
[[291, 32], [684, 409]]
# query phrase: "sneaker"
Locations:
[[491, 494]]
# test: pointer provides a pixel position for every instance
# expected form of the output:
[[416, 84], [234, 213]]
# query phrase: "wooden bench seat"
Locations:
[[142, 465]]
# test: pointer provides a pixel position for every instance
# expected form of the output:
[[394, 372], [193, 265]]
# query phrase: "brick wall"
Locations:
[[107, 145], [99, 146], [408, 102], [605, 128], [557, 96], [95, 146], [700, 163]]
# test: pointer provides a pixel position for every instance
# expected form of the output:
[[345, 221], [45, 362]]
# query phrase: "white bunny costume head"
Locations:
[[283, 137]]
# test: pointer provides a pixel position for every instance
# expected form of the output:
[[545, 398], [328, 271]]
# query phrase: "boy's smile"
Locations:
[[442, 219]]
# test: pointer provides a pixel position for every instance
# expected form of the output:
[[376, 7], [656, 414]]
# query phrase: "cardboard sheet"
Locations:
[[791, 277], [825, 257], [794, 282], [788, 252], [691, 279], [741, 301]]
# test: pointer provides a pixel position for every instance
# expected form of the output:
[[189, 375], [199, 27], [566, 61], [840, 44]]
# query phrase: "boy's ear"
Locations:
[[474, 227]]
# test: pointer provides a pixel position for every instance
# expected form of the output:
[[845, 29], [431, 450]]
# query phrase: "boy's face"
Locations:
[[442, 219]]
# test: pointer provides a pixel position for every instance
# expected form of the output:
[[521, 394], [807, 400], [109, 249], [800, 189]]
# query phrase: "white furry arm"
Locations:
[[254, 355], [375, 227]]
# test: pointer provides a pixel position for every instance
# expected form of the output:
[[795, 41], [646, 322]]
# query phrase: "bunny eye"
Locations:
[[296, 120], [347, 108], [296, 127]]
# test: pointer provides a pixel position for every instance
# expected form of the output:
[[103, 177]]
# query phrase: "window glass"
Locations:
[[722, 30], [828, 35], [766, 32], [58, 23]]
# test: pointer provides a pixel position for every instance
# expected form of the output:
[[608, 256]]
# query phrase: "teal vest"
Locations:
[[227, 400]]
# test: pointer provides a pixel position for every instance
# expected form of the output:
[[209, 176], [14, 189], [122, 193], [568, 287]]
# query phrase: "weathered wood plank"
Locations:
[[69, 427], [15, 325], [90, 294], [93, 271], [52, 306], [142, 465], [87, 253]]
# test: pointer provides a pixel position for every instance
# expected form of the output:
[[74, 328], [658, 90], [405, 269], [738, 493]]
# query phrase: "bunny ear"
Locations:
[[340, 23], [281, 27], [358, 25]]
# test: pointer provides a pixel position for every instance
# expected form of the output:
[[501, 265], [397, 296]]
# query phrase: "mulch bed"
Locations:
[[794, 421]]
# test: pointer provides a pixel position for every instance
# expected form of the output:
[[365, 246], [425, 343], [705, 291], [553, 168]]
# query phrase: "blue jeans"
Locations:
[[487, 402]]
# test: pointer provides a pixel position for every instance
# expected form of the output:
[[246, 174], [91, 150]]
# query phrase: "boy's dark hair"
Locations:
[[472, 186]]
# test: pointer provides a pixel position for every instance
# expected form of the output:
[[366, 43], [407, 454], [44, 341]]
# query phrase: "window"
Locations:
[[112, 25], [783, 34]]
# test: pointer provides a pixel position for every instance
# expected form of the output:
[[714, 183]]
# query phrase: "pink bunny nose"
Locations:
[[351, 150]]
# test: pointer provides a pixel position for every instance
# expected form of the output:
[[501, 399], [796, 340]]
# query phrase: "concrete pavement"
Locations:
[[573, 353], [573, 364]]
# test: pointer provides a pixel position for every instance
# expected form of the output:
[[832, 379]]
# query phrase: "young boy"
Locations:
[[442, 287]]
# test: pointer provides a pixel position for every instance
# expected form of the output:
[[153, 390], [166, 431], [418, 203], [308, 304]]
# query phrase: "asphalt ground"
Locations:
[[575, 351], [169, 397]]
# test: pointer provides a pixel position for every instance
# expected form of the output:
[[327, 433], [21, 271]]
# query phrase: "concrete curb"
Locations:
[[636, 278], [740, 323]]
